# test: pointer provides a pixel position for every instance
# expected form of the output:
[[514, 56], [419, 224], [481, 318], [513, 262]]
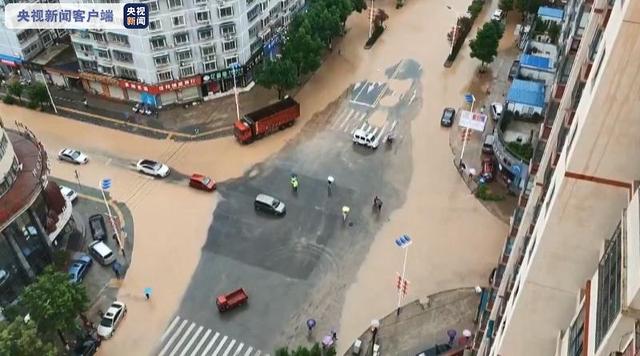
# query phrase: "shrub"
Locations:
[[522, 150], [484, 193], [8, 99], [33, 105], [464, 26], [475, 8]]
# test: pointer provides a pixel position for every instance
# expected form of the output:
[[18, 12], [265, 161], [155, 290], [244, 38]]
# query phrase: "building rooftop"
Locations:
[[545, 11], [526, 92], [533, 61], [28, 183]]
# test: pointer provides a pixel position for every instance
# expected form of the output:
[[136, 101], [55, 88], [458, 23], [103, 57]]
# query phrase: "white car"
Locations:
[[365, 138], [68, 193], [111, 319], [152, 168], [496, 111], [73, 156], [497, 15]]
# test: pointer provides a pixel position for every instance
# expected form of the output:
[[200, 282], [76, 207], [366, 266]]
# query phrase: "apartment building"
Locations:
[[189, 50], [580, 179], [18, 47]]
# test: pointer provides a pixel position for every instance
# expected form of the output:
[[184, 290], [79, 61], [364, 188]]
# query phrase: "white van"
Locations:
[[364, 138], [102, 253]]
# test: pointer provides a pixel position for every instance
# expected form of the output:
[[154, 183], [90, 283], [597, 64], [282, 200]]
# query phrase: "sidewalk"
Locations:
[[207, 120], [423, 324]]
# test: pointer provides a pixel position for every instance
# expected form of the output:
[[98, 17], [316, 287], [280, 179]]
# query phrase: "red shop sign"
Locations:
[[162, 88]]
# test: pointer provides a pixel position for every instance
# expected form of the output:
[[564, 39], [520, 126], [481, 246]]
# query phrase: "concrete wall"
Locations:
[[7, 159]]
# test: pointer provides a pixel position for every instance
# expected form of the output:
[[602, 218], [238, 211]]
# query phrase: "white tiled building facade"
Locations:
[[187, 51]]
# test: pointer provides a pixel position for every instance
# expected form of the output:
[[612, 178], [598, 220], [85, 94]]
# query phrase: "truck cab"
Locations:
[[242, 131]]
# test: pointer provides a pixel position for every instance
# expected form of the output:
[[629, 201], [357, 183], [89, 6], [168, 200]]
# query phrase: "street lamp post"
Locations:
[[235, 67], [403, 242], [105, 184], [455, 29], [371, 20], [470, 99]]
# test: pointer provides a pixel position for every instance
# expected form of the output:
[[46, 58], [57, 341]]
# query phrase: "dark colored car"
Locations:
[[98, 227], [79, 268], [86, 347], [436, 350], [202, 182], [448, 115]]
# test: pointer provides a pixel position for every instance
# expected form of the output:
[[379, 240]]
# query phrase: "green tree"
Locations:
[[359, 5], [554, 31], [37, 94], [315, 350], [324, 22], [343, 9], [485, 46], [506, 6], [21, 338], [15, 88], [527, 6], [475, 8], [279, 74], [303, 49], [53, 303]]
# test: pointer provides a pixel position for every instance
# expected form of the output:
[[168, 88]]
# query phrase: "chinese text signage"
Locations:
[[76, 16]]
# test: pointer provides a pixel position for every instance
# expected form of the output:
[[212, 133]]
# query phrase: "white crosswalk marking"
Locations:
[[191, 341], [171, 326], [173, 338], [210, 344], [226, 352], [347, 118], [182, 339], [201, 342], [224, 339], [181, 335]]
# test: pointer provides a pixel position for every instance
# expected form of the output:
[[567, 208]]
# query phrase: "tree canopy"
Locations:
[[21, 338], [37, 94], [315, 350], [53, 303], [485, 46], [279, 75]]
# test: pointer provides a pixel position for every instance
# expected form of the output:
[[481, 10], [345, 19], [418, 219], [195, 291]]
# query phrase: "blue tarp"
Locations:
[[529, 60], [550, 12], [526, 92]]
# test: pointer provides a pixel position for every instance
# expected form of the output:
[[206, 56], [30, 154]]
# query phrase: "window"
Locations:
[[253, 31], [104, 54], [208, 53], [199, 2], [202, 16], [187, 71], [99, 37], [24, 35], [228, 29], [127, 73], [105, 69], [155, 25], [229, 45], [210, 66], [118, 38], [184, 55], [255, 46], [595, 74], [178, 21], [83, 47], [609, 291], [225, 12], [174, 3], [88, 65], [229, 61], [122, 56], [165, 76], [158, 42], [10, 177], [576, 335], [249, 2], [4, 142], [205, 33], [181, 38], [161, 60], [254, 12], [153, 6], [593, 47]]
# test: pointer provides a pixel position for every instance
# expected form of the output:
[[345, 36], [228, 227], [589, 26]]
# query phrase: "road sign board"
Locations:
[[105, 183]]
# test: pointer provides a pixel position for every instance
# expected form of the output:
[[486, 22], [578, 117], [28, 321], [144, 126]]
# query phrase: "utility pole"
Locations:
[[49, 92]]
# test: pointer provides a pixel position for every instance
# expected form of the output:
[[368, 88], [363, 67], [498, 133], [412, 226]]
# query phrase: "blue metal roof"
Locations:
[[526, 92], [530, 60], [550, 12]]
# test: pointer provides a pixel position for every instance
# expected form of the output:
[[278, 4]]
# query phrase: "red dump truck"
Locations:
[[231, 300], [265, 121]]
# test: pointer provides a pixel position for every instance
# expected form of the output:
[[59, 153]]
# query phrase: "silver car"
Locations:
[[153, 168], [73, 156]]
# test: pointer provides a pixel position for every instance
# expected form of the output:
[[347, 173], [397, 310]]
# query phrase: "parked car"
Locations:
[[153, 168], [98, 227], [487, 144], [73, 156], [102, 253], [269, 204], [86, 347], [487, 172], [111, 319], [515, 67], [79, 268], [365, 138], [496, 111], [436, 350], [202, 182], [497, 15], [448, 116], [68, 193]]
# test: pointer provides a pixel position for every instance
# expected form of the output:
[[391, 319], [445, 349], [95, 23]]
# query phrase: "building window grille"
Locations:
[[178, 21], [184, 55], [576, 335], [158, 42], [187, 71], [181, 38], [161, 60], [127, 73], [229, 46], [224, 12], [173, 4], [122, 56], [165, 76], [608, 298]]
